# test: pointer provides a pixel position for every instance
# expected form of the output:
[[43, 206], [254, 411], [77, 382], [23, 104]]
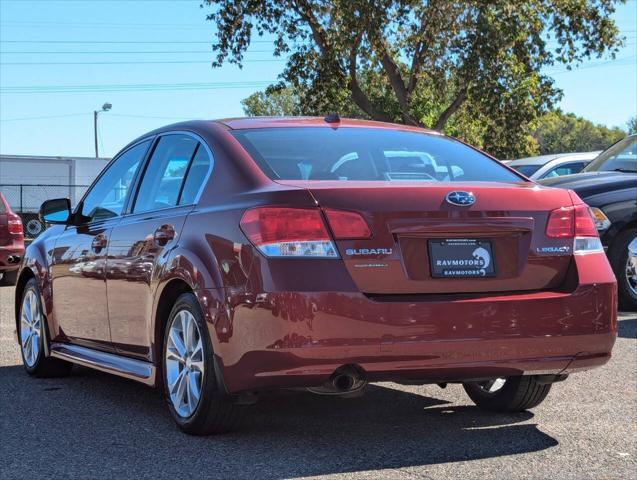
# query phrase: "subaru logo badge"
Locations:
[[462, 199]]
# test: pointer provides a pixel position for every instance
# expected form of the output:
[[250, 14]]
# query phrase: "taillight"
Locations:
[[561, 223], [577, 223], [347, 225], [15, 224], [288, 232]]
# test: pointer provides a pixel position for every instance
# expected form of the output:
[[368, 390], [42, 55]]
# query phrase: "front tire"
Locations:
[[507, 395], [190, 383], [32, 332]]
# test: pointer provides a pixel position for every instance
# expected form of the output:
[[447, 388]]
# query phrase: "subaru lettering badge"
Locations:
[[463, 199]]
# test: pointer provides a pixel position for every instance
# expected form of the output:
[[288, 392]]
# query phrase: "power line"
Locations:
[[30, 89], [46, 117], [124, 42], [137, 62], [116, 52]]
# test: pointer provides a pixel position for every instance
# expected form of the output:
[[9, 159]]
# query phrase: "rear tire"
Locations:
[[618, 256], [31, 334], [516, 395], [198, 406]]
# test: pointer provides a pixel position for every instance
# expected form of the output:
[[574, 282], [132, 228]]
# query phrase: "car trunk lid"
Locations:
[[418, 237]]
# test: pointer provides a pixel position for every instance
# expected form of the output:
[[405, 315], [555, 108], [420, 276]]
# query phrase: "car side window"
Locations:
[[106, 198], [165, 173], [197, 175], [568, 169]]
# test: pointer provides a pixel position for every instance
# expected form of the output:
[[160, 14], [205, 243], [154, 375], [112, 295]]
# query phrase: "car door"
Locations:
[[79, 257], [167, 192]]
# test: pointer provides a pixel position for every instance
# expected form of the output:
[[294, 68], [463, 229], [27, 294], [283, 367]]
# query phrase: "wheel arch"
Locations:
[[25, 275]]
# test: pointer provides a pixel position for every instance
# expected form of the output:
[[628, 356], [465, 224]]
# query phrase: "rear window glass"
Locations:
[[526, 170], [364, 154], [2, 207]]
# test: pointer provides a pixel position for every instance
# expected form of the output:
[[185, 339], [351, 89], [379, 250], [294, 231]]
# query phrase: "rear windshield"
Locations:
[[363, 154], [527, 170]]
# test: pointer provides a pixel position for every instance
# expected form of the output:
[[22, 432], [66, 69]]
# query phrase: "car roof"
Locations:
[[282, 122], [563, 157]]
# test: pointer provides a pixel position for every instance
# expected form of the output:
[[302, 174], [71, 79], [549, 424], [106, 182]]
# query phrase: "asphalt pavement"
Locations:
[[95, 426]]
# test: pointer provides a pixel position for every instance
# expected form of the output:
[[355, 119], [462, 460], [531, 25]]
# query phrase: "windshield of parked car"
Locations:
[[526, 170], [367, 154], [621, 157]]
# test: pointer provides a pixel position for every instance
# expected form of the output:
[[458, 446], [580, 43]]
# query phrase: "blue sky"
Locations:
[[60, 122]]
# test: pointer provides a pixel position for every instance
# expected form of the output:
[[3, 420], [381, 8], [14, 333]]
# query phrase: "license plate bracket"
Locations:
[[461, 258]]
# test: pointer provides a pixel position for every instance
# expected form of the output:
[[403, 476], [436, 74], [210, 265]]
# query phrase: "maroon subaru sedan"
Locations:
[[220, 259]]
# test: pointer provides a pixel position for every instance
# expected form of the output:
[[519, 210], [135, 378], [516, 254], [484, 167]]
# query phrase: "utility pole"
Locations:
[[105, 108]]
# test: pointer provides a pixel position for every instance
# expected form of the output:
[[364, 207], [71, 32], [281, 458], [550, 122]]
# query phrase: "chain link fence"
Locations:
[[25, 200]]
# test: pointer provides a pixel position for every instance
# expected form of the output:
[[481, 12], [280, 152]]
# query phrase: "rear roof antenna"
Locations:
[[332, 118]]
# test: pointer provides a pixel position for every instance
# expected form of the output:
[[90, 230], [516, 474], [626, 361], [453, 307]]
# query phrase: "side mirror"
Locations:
[[56, 211]]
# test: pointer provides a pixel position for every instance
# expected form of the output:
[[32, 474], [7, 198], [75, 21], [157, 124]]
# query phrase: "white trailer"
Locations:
[[27, 181]]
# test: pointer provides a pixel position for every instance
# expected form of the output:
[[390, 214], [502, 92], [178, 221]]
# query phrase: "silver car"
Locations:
[[554, 165]]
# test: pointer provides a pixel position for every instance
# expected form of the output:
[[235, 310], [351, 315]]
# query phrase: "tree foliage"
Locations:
[[632, 125], [423, 62], [272, 103], [559, 132]]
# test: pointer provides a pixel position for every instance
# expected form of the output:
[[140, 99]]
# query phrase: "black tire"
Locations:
[[9, 278], [516, 395], [216, 411], [43, 366], [618, 256]]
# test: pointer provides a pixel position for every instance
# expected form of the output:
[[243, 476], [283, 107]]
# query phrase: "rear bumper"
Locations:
[[10, 251], [298, 339]]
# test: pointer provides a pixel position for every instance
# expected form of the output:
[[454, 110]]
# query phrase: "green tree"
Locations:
[[632, 125], [271, 103], [559, 132], [423, 62]]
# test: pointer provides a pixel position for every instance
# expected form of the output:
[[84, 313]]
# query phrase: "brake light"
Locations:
[[288, 232], [561, 223], [577, 223], [347, 225], [15, 224], [568, 222]]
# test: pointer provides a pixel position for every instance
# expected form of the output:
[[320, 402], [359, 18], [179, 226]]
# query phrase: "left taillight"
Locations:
[[288, 232], [14, 224]]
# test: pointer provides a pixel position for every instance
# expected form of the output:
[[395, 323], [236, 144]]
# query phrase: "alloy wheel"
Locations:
[[184, 363], [631, 274], [30, 328]]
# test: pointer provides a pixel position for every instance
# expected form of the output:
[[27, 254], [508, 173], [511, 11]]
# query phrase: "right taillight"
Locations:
[[288, 232], [15, 224], [575, 222]]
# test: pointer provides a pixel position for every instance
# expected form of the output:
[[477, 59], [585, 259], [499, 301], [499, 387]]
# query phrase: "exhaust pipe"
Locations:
[[345, 381], [13, 259]]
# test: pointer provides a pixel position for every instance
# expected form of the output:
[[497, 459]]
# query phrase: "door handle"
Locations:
[[164, 234], [99, 242]]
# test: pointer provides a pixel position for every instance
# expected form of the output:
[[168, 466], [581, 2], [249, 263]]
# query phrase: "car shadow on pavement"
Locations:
[[92, 425], [627, 328]]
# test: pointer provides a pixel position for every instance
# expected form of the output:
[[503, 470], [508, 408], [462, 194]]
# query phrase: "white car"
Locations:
[[554, 165]]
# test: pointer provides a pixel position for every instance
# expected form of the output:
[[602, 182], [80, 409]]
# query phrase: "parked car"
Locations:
[[555, 165], [11, 243], [609, 186], [631, 268], [247, 255]]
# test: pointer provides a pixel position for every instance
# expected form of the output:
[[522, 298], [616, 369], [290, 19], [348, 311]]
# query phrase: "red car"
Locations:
[[11, 243], [219, 259]]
